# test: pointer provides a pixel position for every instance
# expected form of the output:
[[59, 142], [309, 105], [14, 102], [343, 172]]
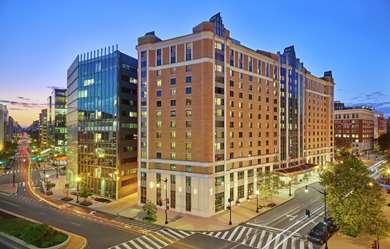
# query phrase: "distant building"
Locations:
[[3, 125], [388, 125], [339, 105], [42, 137], [13, 129], [102, 122], [379, 125], [355, 128], [56, 120]]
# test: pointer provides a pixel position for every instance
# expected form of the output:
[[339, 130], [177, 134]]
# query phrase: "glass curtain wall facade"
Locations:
[[102, 122], [291, 104], [57, 120]]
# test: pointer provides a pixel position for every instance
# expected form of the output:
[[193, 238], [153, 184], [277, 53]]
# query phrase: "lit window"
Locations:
[[173, 134], [218, 45], [159, 124], [158, 82]]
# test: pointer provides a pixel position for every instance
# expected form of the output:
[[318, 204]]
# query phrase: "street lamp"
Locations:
[[166, 200], [78, 179], [230, 210], [325, 213], [289, 186], [257, 201]]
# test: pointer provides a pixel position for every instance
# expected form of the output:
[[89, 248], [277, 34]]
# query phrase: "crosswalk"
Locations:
[[259, 238], [10, 172], [154, 240]]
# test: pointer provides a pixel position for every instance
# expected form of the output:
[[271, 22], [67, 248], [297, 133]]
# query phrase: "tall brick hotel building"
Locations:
[[214, 114]]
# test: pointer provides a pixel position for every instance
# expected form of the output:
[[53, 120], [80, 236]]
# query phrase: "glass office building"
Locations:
[[57, 120], [102, 122]]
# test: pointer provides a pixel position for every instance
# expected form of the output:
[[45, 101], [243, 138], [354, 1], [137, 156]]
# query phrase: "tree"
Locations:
[[151, 211], [269, 184], [343, 153], [85, 192], [384, 141], [354, 201]]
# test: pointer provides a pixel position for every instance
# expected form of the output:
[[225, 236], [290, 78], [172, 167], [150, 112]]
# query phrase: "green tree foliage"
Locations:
[[354, 201], [343, 153], [384, 141], [151, 211], [85, 192], [269, 185]]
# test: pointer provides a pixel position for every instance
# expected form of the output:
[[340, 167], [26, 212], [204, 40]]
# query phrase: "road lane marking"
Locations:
[[297, 230], [135, 244], [261, 239], [293, 225]]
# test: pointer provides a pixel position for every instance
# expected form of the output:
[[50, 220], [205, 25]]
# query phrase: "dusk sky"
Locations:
[[39, 40]]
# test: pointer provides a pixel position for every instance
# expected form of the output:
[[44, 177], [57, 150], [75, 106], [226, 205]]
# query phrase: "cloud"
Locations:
[[21, 104], [23, 98]]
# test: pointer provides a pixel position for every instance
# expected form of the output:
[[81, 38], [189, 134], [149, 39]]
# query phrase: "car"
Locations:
[[330, 225], [319, 234]]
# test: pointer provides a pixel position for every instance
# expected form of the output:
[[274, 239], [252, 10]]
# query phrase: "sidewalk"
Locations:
[[128, 207]]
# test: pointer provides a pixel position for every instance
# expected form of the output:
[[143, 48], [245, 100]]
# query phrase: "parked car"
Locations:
[[318, 234], [331, 225]]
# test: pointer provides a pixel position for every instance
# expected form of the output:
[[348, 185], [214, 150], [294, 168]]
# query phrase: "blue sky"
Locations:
[[39, 39]]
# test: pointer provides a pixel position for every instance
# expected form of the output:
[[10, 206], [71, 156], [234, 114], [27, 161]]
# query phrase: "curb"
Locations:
[[70, 234]]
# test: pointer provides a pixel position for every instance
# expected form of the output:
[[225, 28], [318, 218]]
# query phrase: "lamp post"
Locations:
[[289, 186], [257, 201], [325, 211], [166, 200], [230, 210], [78, 179]]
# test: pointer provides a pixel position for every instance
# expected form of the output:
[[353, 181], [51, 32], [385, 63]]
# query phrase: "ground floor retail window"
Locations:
[[158, 197], [219, 201], [143, 194], [188, 202], [173, 199], [250, 189], [241, 192]]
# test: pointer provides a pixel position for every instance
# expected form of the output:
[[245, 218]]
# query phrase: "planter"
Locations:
[[29, 246]]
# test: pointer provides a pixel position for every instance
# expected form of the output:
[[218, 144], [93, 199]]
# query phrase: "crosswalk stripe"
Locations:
[[240, 233], [248, 233], [126, 245], [144, 244], [269, 239], [185, 233], [135, 244], [161, 240], [253, 239], [151, 241], [277, 238], [174, 232], [284, 243], [261, 239], [301, 244], [217, 235], [115, 247], [168, 234], [233, 233], [293, 241], [224, 235]]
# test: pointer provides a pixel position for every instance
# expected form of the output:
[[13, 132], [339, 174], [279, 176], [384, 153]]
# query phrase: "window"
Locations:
[[173, 54], [158, 93], [188, 79], [173, 81], [188, 134], [158, 57], [188, 51], [188, 102], [188, 90], [173, 102], [158, 83], [158, 103], [218, 45], [188, 124], [188, 113]]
